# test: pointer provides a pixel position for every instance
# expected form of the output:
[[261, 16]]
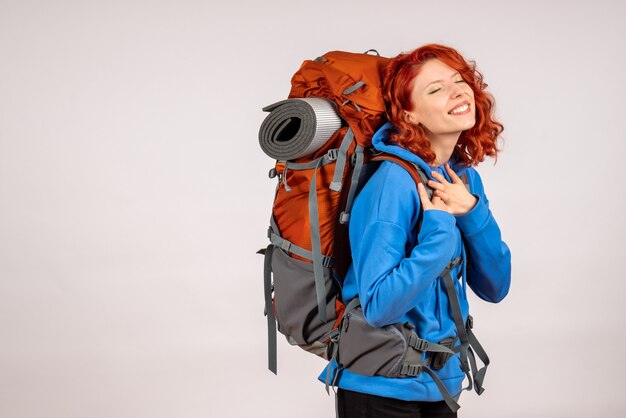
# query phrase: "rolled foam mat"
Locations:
[[297, 127]]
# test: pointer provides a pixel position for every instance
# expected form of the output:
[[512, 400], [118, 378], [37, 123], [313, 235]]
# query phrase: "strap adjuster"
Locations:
[[418, 343], [411, 369], [332, 154], [470, 322], [455, 262]]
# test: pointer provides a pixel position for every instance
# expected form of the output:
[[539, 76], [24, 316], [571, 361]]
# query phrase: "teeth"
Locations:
[[460, 109]]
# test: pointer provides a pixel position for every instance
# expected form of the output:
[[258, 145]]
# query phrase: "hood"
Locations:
[[380, 141]]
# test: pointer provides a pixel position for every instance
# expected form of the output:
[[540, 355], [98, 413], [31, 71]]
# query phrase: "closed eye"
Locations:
[[435, 91]]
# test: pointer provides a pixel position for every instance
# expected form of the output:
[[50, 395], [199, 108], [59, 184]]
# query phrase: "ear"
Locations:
[[409, 117]]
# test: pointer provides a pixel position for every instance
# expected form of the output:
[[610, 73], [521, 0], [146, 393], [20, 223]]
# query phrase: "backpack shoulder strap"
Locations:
[[416, 172]]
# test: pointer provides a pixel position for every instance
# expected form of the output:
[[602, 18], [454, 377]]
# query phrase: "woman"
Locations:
[[440, 119]]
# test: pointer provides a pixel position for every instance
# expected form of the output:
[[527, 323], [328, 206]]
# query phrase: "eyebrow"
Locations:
[[437, 81]]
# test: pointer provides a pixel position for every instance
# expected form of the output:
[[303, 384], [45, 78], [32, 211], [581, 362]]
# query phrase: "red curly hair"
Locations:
[[473, 144]]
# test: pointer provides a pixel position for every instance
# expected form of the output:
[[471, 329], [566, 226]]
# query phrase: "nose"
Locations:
[[457, 90]]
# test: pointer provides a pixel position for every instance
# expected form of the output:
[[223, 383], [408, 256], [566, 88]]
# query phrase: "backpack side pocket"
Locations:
[[371, 351], [296, 311]]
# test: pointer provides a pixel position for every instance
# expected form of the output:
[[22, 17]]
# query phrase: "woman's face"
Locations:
[[442, 102]]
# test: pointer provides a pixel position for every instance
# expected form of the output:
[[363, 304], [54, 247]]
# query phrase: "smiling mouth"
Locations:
[[461, 110]]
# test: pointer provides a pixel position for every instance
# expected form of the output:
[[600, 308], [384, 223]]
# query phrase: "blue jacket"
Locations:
[[398, 281]]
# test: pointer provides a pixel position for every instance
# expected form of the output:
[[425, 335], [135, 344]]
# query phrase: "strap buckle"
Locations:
[[332, 154], [418, 343], [412, 370], [455, 262], [438, 360], [470, 322], [327, 261]]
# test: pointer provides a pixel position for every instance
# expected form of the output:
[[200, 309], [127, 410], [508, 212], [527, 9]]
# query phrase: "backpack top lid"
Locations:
[[353, 81]]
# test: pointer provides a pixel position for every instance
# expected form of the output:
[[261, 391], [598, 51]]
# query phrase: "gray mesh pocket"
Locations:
[[372, 351], [295, 303]]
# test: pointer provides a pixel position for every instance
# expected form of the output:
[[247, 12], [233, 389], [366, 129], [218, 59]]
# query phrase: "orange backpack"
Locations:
[[309, 253]]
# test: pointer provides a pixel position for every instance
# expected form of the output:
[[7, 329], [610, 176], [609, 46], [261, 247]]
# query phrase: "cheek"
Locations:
[[434, 108]]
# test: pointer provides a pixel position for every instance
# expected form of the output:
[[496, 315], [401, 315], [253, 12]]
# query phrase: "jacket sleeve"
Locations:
[[489, 258], [390, 275]]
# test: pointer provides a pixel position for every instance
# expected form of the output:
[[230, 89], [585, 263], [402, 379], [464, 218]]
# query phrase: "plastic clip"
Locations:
[[411, 369], [418, 343]]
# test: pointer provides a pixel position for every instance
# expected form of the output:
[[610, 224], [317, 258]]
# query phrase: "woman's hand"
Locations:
[[455, 196], [435, 203]]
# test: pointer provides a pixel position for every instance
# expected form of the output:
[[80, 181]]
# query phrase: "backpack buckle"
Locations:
[[411, 369], [455, 262], [418, 343], [470, 322], [438, 359], [332, 154]]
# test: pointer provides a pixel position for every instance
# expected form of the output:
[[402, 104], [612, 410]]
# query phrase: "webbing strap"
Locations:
[[425, 179], [336, 184], [290, 247], [412, 369], [452, 404], [269, 310], [354, 183], [458, 317], [479, 377], [353, 304], [316, 247], [468, 361], [327, 158], [334, 337], [283, 177], [354, 88], [422, 345]]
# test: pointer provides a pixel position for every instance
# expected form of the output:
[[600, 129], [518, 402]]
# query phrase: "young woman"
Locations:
[[440, 119]]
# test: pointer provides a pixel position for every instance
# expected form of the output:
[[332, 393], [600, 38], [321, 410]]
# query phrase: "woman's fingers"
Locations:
[[426, 203], [436, 185], [439, 177], [452, 174], [442, 195], [436, 203]]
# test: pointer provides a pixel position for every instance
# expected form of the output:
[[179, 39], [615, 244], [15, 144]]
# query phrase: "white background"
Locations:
[[133, 196]]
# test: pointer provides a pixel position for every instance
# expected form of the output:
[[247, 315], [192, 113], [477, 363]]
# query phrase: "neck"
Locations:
[[443, 145]]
